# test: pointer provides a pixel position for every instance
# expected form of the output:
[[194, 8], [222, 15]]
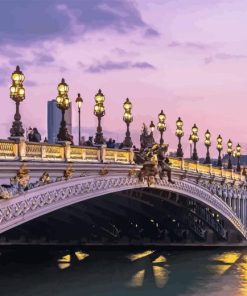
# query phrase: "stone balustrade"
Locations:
[[30, 151], [205, 169]]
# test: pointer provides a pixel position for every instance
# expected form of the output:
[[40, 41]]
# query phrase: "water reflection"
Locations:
[[65, 261], [160, 276], [137, 279], [223, 262], [134, 257], [106, 273]]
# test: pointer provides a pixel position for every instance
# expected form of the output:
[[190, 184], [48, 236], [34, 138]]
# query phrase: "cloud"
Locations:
[[224, 57], [143, 65], [110, 66], [30, 83], [41, 59], [27, 21], [5, 77], [122, 52], [37, 59], [150, 33], [190, 45], [30, 20]]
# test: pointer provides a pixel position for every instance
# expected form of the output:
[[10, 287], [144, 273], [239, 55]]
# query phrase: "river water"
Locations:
[[77, 272]]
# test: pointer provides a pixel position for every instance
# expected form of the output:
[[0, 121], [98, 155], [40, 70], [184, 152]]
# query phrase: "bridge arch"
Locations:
[[48, 198]]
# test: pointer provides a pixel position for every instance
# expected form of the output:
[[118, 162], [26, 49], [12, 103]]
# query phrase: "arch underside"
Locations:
[[110, 206]]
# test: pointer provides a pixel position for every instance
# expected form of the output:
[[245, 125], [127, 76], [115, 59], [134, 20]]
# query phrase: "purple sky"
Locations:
[[187, 57]]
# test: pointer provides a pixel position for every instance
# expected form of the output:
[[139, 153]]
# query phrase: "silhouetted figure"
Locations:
[[110, 143], [89, 142], [34, 135], [70, 138]]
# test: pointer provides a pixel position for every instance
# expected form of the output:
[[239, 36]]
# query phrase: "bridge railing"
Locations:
[[205, 169], [30, 151], [8, 150]]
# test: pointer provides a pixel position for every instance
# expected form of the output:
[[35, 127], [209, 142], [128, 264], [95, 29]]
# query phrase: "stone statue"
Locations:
[[155, 163]]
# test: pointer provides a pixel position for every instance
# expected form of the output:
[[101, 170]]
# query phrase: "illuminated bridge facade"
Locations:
[[94, 195]]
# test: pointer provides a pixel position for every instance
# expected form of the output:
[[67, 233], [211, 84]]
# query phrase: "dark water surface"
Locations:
[[38, 271]]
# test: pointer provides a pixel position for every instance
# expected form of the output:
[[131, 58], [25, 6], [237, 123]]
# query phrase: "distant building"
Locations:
[[54, 117]]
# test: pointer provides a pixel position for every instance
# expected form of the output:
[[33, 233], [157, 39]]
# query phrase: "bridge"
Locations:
[[96, 195], [62, 193]]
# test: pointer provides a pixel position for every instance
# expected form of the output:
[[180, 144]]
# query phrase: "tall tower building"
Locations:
[[54, 117]]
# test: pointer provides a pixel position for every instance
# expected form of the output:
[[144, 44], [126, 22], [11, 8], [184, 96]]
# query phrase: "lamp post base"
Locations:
[[63, 135], [17, 130], [127, 143], [180, 152], [99, 139], [207, 160], [195, 156], [219, 163]]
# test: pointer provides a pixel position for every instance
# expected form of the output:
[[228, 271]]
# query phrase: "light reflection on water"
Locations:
[[215, 272]]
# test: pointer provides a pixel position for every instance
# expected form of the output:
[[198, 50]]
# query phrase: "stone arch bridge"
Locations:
[[98, 189]]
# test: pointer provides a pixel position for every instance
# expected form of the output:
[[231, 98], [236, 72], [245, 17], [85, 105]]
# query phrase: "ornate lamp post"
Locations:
[[152, 127], [219, 148], [179, 134], [161, 126], [207, 143], [99, 112], [17, 94], [79, 102], [127, 118], [229, 152], [195, 139], [191, 142], [63, 104], [238, 154]]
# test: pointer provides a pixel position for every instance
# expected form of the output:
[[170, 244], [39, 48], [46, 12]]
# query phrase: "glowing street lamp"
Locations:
[[99, 112], [63, 104], [207, 143], [79, 102], [179, 134], [17, 94], [229, 152], [127, 118], [195, 139], [161, 125], [238, 155], [219, 148]]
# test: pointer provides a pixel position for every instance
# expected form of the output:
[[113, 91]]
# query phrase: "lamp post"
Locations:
[[17, 94], [152, 127], [191, 142], [207, 143], [179, 134], [127, 118], [229, 152], [219, 148], [238, 155], [63, 104], [195, 139], [99, 112], [161, 125], [79, 102]]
